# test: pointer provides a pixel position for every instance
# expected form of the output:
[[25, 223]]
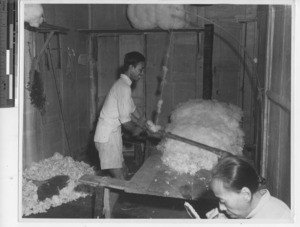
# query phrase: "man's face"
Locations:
[[231, 202], [138, 71]]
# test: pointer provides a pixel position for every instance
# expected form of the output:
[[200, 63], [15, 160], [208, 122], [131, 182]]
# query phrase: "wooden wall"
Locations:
[[44, 135], [232, 69], [184, 78], [276, 155]]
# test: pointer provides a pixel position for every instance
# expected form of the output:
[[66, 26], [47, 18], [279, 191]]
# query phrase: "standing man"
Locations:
[[119, 109]]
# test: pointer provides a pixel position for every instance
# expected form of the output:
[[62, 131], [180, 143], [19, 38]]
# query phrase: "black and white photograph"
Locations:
[[148, 113]]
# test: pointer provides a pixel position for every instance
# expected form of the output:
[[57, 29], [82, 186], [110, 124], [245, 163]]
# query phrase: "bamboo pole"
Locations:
[[163, 81], [59, 101]]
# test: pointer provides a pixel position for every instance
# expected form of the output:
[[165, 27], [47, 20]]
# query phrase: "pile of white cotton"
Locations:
[[164, 16], [45, 169], [210, 122], [33, 14]]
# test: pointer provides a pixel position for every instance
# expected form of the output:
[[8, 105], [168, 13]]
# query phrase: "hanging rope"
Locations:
[[163, 80], [259, 89], [35, 84]]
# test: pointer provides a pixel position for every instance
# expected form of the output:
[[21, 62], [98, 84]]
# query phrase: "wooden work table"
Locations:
[[155, 178]]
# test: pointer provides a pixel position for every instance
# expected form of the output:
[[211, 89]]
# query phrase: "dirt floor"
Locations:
[[144, 207], [130, 206]]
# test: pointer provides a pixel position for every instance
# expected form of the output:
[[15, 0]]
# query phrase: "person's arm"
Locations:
[[130, 116], [138, 117], [133, 128]]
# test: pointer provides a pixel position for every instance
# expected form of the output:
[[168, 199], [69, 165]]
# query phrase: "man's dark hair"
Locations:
[[236, 172], [132, 58]]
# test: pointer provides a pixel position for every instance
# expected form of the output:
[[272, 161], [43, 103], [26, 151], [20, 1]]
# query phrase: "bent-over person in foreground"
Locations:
[[237, 186]]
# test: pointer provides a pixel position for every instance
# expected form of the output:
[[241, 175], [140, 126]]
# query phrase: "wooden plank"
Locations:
[[269, 58], [98, 181], [284, 167], [247, 96], [284, 158], [141, 181], [199, 66], [278, 151], [116, 32], [155, 178], [279, 100], [109, 16], [107, 66], [171, 184], [273, 152], [98, 202]]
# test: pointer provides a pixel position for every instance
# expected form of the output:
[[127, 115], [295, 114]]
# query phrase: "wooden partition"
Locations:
[[276, 155], [64, 130]]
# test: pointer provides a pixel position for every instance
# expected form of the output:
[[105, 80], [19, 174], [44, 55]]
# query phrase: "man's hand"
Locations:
[[215, 214], [151, 127]]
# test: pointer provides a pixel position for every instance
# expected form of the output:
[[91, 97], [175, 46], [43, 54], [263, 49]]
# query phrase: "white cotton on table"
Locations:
[[210, 122]]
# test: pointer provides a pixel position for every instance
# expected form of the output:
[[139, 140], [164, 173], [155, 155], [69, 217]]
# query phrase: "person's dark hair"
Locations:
[[236, 172], [132, 58]]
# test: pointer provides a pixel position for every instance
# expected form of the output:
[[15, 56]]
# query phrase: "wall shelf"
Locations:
[[46, 28]]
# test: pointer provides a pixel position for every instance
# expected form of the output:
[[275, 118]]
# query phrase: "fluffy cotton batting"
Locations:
[[33, 14], [45, 169], [210, 122], [149, 16]]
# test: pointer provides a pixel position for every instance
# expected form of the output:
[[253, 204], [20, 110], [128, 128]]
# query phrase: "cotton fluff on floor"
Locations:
[[209, 122], [45, 169]]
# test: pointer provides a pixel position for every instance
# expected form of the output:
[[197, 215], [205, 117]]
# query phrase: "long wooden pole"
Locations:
[[59, 101], [217, 151]]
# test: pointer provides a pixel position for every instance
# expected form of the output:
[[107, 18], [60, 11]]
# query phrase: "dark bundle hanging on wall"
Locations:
[[36, 89]]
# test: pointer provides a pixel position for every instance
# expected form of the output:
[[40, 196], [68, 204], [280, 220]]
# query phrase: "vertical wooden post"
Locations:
[[207, 63], [93, 54], [98, 202], [93, 74], [199, 66], [107, 208], [266, 112]]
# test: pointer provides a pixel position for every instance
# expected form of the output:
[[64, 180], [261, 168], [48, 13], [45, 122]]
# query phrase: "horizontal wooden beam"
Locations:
[[134, 31]]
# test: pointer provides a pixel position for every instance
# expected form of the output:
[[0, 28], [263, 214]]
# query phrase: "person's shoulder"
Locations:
[[279, 208], [279, 203], [120, 84], [121, 88]]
